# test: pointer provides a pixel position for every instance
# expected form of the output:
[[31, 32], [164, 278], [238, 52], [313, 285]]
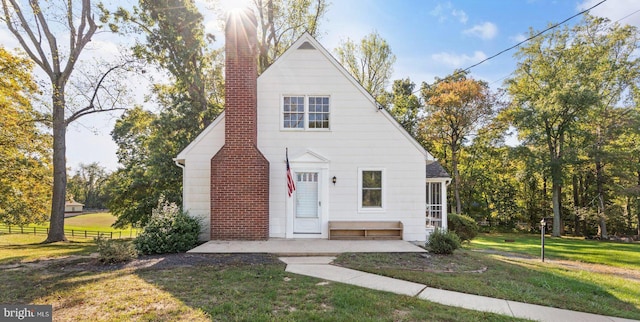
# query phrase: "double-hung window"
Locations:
[[371, 193], [305, 112]]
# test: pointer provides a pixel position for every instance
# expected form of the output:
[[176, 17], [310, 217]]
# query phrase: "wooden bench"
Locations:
[[365, 230]]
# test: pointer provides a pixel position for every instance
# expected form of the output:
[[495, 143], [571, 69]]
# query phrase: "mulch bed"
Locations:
[[164, 261]]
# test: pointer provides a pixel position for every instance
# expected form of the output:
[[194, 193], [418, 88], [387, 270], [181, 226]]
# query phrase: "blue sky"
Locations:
[[429, 39]]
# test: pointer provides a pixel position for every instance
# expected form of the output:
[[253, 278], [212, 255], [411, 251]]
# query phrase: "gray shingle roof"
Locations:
[[435, 170]]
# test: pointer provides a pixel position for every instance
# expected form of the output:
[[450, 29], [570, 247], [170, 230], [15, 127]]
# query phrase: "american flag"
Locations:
[[291, 185]]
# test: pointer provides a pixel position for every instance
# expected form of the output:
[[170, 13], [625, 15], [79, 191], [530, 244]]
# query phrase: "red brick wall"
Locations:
[[239, 171]]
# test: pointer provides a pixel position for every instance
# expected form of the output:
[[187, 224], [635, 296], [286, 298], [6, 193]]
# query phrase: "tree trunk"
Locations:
[[556, 193], [456, 179], [56, 226], [638, 204], [576, 205], [638, 214], [556, 209], [602, 223]]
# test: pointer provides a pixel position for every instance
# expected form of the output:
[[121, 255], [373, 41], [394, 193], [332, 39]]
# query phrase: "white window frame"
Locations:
[[383, 193], [437, 207], [305, 120]]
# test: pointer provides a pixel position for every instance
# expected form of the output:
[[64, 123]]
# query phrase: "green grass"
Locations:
[[610, 287], [261, 292], [624, 255], [17, 248], [93, 222]]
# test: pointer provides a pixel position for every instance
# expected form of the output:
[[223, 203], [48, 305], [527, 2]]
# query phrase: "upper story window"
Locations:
[[305, 112], [294, 112]]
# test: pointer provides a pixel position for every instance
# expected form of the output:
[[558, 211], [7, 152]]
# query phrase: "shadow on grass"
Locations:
[[264, 291], [514, 279], [37, 251], [229, 290]]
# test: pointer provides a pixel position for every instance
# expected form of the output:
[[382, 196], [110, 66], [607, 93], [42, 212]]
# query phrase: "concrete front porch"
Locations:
[[308, 247]]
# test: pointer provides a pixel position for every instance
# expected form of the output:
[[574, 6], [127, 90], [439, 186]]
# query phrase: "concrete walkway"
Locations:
[[308, 247], [320, 267]]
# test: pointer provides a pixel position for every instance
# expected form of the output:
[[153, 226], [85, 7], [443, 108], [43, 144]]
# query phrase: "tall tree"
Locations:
[[131, 189], [174, 41], [611, 49], [370, 62], [37, 25], [456, 107], [566, 92], [281, 22], [403, 104], [25, 170]]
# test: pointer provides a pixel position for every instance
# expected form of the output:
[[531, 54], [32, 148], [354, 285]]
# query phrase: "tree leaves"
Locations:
[[25, 151]]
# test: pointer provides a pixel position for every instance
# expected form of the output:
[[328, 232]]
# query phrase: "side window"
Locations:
[[293, 108], [371, 196]]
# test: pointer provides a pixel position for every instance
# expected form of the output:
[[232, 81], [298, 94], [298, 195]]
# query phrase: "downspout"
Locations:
[[181, 165]]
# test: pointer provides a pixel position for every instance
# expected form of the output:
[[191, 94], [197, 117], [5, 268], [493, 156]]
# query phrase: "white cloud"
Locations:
[[444, 11], [458, 60], [461, 15], [518, 38], [614, 10], [487, 30]]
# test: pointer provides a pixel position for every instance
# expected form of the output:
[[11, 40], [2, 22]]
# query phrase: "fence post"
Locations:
[[22, 229], [111, 235], [34, 230]]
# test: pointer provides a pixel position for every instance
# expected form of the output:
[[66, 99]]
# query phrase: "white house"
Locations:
[[349, 158], [72, 206]]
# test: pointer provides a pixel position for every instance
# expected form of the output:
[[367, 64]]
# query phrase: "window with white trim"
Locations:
[[434, 204], [305, 112], [293, 112], [371, 189]]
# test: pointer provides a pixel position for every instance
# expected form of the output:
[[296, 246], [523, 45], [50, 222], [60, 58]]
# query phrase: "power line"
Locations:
[[612, 22], [533, 37], [522, 42]]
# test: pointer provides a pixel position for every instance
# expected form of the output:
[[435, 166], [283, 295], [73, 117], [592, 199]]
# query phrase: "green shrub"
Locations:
[[464, 226], [443, 242], [169, 230], [111, 251]]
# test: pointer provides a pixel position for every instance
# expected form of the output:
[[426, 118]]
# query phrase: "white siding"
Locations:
[[361, 136], [197, 174]]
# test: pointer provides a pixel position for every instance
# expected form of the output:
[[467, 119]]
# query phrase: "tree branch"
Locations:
[[83, 38], [42, 60], [91, 108]]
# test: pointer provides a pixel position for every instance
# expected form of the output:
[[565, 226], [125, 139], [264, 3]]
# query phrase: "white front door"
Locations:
[[307, 203]]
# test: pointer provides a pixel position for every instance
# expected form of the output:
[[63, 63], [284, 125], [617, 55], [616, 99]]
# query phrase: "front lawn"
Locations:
[[625, 255], [491, 267], [230, 287], [15, 248]]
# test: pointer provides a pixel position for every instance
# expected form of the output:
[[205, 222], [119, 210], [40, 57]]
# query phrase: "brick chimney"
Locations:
[[239, 171]]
